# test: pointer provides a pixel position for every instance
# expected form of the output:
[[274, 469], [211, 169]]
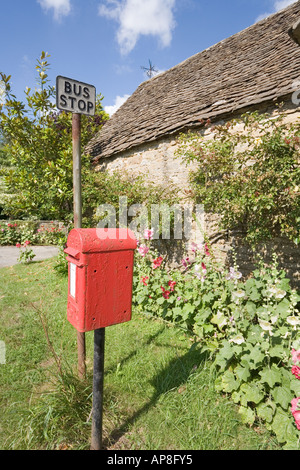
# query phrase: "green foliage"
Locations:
[[248, 326], [249, 173], [20, 231], [38, 146], [26, 253]]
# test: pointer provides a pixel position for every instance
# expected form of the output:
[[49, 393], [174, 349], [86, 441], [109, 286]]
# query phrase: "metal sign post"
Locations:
[[77, 204], [77, 98], [98, 379]]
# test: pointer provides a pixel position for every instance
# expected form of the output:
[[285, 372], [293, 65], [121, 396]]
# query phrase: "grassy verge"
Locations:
[[158, 389]]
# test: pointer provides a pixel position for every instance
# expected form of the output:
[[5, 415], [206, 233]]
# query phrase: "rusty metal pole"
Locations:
[[77, 204]]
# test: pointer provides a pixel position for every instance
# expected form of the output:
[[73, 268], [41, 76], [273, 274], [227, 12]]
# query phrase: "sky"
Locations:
[[107, 42]]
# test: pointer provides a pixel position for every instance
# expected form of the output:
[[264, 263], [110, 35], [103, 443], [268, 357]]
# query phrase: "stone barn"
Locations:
[[252, 70]]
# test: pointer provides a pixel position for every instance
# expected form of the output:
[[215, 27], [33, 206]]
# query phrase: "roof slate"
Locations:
[[257, 65]]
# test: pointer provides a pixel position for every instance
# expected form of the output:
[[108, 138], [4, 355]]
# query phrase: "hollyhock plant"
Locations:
[[295, 356], [165, 293], [206, 250], [196, 247], [185, 262], [296, 372], [157, 262], [144, 279], [148, 234], [233, 274], [200, 271], [296, 411], [172, 285], [143, 250]]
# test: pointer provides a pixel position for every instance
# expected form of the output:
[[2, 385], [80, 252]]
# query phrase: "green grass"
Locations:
[[158, 389]]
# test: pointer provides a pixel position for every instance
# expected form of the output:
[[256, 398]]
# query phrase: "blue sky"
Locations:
[[106, 42]]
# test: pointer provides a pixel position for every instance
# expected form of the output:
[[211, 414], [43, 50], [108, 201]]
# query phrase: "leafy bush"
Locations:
[[248, 172], [21, 231], [38, 149], [250, 327]]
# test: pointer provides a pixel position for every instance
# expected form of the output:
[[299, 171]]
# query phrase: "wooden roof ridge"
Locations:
[[257, 65]]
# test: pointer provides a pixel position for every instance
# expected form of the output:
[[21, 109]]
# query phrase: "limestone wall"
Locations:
[[158, 162]]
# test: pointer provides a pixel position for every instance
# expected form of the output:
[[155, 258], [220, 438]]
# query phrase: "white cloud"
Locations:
[[140, 17], [118, 102], [60, 7], [278, 5]]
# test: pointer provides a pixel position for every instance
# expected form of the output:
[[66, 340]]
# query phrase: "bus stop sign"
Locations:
[[75, 97]]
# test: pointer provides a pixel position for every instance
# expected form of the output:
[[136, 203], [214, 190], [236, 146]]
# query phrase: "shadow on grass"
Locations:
[[171, 377]]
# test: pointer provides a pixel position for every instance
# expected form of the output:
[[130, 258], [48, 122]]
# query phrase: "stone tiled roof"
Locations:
[[254, 66]]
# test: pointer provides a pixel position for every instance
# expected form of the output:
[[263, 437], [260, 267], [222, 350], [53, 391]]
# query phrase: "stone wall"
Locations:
[[159, 163]]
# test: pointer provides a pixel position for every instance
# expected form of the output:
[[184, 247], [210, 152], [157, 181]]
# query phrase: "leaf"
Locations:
[[271, 376], [255, 357], [224, 355], [283, 427], [229, 382], [282, 396], [243, 373], [252, 393], [248, 415], [295, 387], [265, 412]]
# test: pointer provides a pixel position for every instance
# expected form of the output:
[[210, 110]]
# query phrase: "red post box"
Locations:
[[100, 277]]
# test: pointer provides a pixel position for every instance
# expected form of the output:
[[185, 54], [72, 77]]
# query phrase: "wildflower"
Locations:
[[280, 294], [166, 293], [27, 242], [185, 262], [293, 320], [143, 250], [195, 247], [200, 271], [148, 234], [233, 274], [157, 262], [238, 339], [206, 250], [18, 245], [295, 411], [172, 285], [239, 294], [296, 372], [178, 298], [266, 326], [144, 279], [295, 356]]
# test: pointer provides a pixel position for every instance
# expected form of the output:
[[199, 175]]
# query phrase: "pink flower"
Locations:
[[200, 271], [296, 372], [27, 242], [148, 234], [144, 279], [295, 356], [166, 293], [157, 262], [18, 245], [185, 262], [295, 411], [206, 250], [172, 285], [143, 250], [195, 247]]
